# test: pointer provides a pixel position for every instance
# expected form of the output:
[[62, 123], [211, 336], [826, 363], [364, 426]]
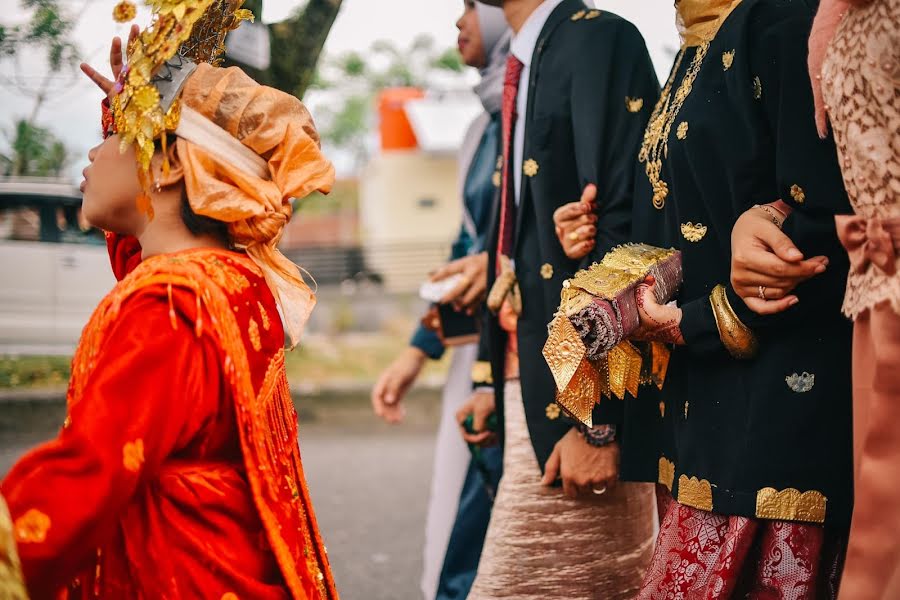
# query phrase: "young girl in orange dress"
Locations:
[[177, 472]]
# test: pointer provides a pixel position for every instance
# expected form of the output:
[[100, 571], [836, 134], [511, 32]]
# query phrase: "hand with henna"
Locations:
[[659, 322]]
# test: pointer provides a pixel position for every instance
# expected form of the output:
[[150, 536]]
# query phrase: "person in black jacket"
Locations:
[[756, 454], [577, 97]]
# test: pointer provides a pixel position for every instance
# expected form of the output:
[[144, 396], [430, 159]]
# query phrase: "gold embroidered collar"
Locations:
[[699, 20]]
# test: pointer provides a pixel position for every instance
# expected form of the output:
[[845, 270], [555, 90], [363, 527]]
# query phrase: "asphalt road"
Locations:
[[369, 484]]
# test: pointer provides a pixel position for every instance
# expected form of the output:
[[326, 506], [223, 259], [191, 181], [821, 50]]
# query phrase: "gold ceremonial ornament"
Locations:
[[634, 104], [581, 382], [737, 338], [505, 288], [180, 32]]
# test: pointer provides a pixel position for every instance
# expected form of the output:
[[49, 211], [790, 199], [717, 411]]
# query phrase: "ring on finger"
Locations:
[[599, 491], [762, 292], [574, 236]]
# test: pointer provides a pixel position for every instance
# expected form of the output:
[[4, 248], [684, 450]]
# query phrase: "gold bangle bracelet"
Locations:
[[738, 339]]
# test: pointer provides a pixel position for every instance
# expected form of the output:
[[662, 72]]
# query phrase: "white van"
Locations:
[[54, 270]]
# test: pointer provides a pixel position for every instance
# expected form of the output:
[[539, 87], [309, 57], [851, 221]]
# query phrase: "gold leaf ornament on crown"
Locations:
[[179, 29]]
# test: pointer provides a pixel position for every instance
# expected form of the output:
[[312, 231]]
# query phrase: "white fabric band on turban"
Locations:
[[197, 129]]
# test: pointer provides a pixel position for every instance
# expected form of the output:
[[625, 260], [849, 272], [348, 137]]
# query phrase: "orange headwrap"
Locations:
[[256, 205]]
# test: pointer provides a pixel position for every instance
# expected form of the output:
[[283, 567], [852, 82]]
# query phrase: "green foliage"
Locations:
[[349, 121], [34, 151], [354, 65], [449, 60], [6, 39], [34, 371], [49, 28]]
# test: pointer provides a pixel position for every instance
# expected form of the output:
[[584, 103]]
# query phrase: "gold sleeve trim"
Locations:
[[481, 372], [791, 505], [694, 492], [666, 472], [738, 339]]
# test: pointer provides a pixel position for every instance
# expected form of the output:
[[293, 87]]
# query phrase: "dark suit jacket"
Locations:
[[590, 93]]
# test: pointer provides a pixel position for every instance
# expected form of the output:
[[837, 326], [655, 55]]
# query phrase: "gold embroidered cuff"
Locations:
[[481, 373], [738, 339]]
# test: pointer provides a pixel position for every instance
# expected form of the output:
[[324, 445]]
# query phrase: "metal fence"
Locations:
[[398, 267]]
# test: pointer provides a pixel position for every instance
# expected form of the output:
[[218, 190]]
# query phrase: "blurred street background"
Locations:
[[392, 100]]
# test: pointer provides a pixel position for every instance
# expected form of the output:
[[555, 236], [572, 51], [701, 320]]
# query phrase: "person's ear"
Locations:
[[172, 175]]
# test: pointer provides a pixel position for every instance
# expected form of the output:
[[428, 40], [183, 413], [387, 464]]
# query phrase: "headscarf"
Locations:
[[495, 37], [255, 202], [699, 20], [828, 17]]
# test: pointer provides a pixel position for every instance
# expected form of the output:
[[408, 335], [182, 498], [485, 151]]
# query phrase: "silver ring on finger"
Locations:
[[599, 491], [762, 292]]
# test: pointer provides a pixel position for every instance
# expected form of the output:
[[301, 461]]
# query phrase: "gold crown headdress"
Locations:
[[181, 34]]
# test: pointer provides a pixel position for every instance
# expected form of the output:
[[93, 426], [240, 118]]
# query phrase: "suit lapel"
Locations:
[[564, 11]]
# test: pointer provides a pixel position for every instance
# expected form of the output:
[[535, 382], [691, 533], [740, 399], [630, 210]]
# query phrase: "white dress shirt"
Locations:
[[522, 47]]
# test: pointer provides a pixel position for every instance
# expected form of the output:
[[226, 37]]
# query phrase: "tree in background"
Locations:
[[48, 31], [34, 150], [295, 44]]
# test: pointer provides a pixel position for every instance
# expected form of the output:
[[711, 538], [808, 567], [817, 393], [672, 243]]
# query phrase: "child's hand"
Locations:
[[116, 64]]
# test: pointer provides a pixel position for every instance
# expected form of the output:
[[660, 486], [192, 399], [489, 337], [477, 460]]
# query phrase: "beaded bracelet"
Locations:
[[769, 210]]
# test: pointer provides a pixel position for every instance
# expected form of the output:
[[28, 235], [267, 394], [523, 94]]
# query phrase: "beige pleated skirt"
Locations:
[[542, 545]]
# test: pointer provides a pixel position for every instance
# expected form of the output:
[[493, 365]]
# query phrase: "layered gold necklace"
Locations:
[[698, 21]]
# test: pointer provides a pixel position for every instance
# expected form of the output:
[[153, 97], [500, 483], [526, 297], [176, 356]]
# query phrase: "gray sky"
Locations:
[[73, 113]]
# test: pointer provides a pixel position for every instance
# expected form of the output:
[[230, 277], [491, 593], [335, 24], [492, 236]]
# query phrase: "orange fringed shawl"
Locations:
[[181, 445]]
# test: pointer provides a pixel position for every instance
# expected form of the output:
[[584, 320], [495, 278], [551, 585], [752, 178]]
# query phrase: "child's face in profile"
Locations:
[[111, 188]]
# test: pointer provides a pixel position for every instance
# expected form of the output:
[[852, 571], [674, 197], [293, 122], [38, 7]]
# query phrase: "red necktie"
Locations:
[[507, 192]]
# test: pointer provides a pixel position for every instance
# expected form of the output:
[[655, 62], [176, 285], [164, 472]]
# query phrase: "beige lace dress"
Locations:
[[861, 86]]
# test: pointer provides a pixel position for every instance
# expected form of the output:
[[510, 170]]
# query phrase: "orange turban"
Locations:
[[252, 196]]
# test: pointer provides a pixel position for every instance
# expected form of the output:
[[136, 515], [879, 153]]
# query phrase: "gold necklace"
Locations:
[[656, 137]]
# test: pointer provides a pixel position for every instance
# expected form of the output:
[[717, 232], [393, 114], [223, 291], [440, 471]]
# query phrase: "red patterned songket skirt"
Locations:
[[706, 556]]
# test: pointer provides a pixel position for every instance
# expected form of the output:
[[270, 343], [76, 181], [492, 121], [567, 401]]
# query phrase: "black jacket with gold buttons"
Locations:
[[769, 436], [591, 89]]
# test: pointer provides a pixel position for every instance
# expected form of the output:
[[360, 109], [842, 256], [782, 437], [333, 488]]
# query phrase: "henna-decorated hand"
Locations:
[[659, 322]]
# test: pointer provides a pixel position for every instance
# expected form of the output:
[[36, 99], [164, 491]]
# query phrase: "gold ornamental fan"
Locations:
[[579, 398], [625, 367], [564, 351]]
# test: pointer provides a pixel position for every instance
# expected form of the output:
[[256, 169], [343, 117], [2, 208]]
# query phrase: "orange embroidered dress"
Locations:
[[177, 473]]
